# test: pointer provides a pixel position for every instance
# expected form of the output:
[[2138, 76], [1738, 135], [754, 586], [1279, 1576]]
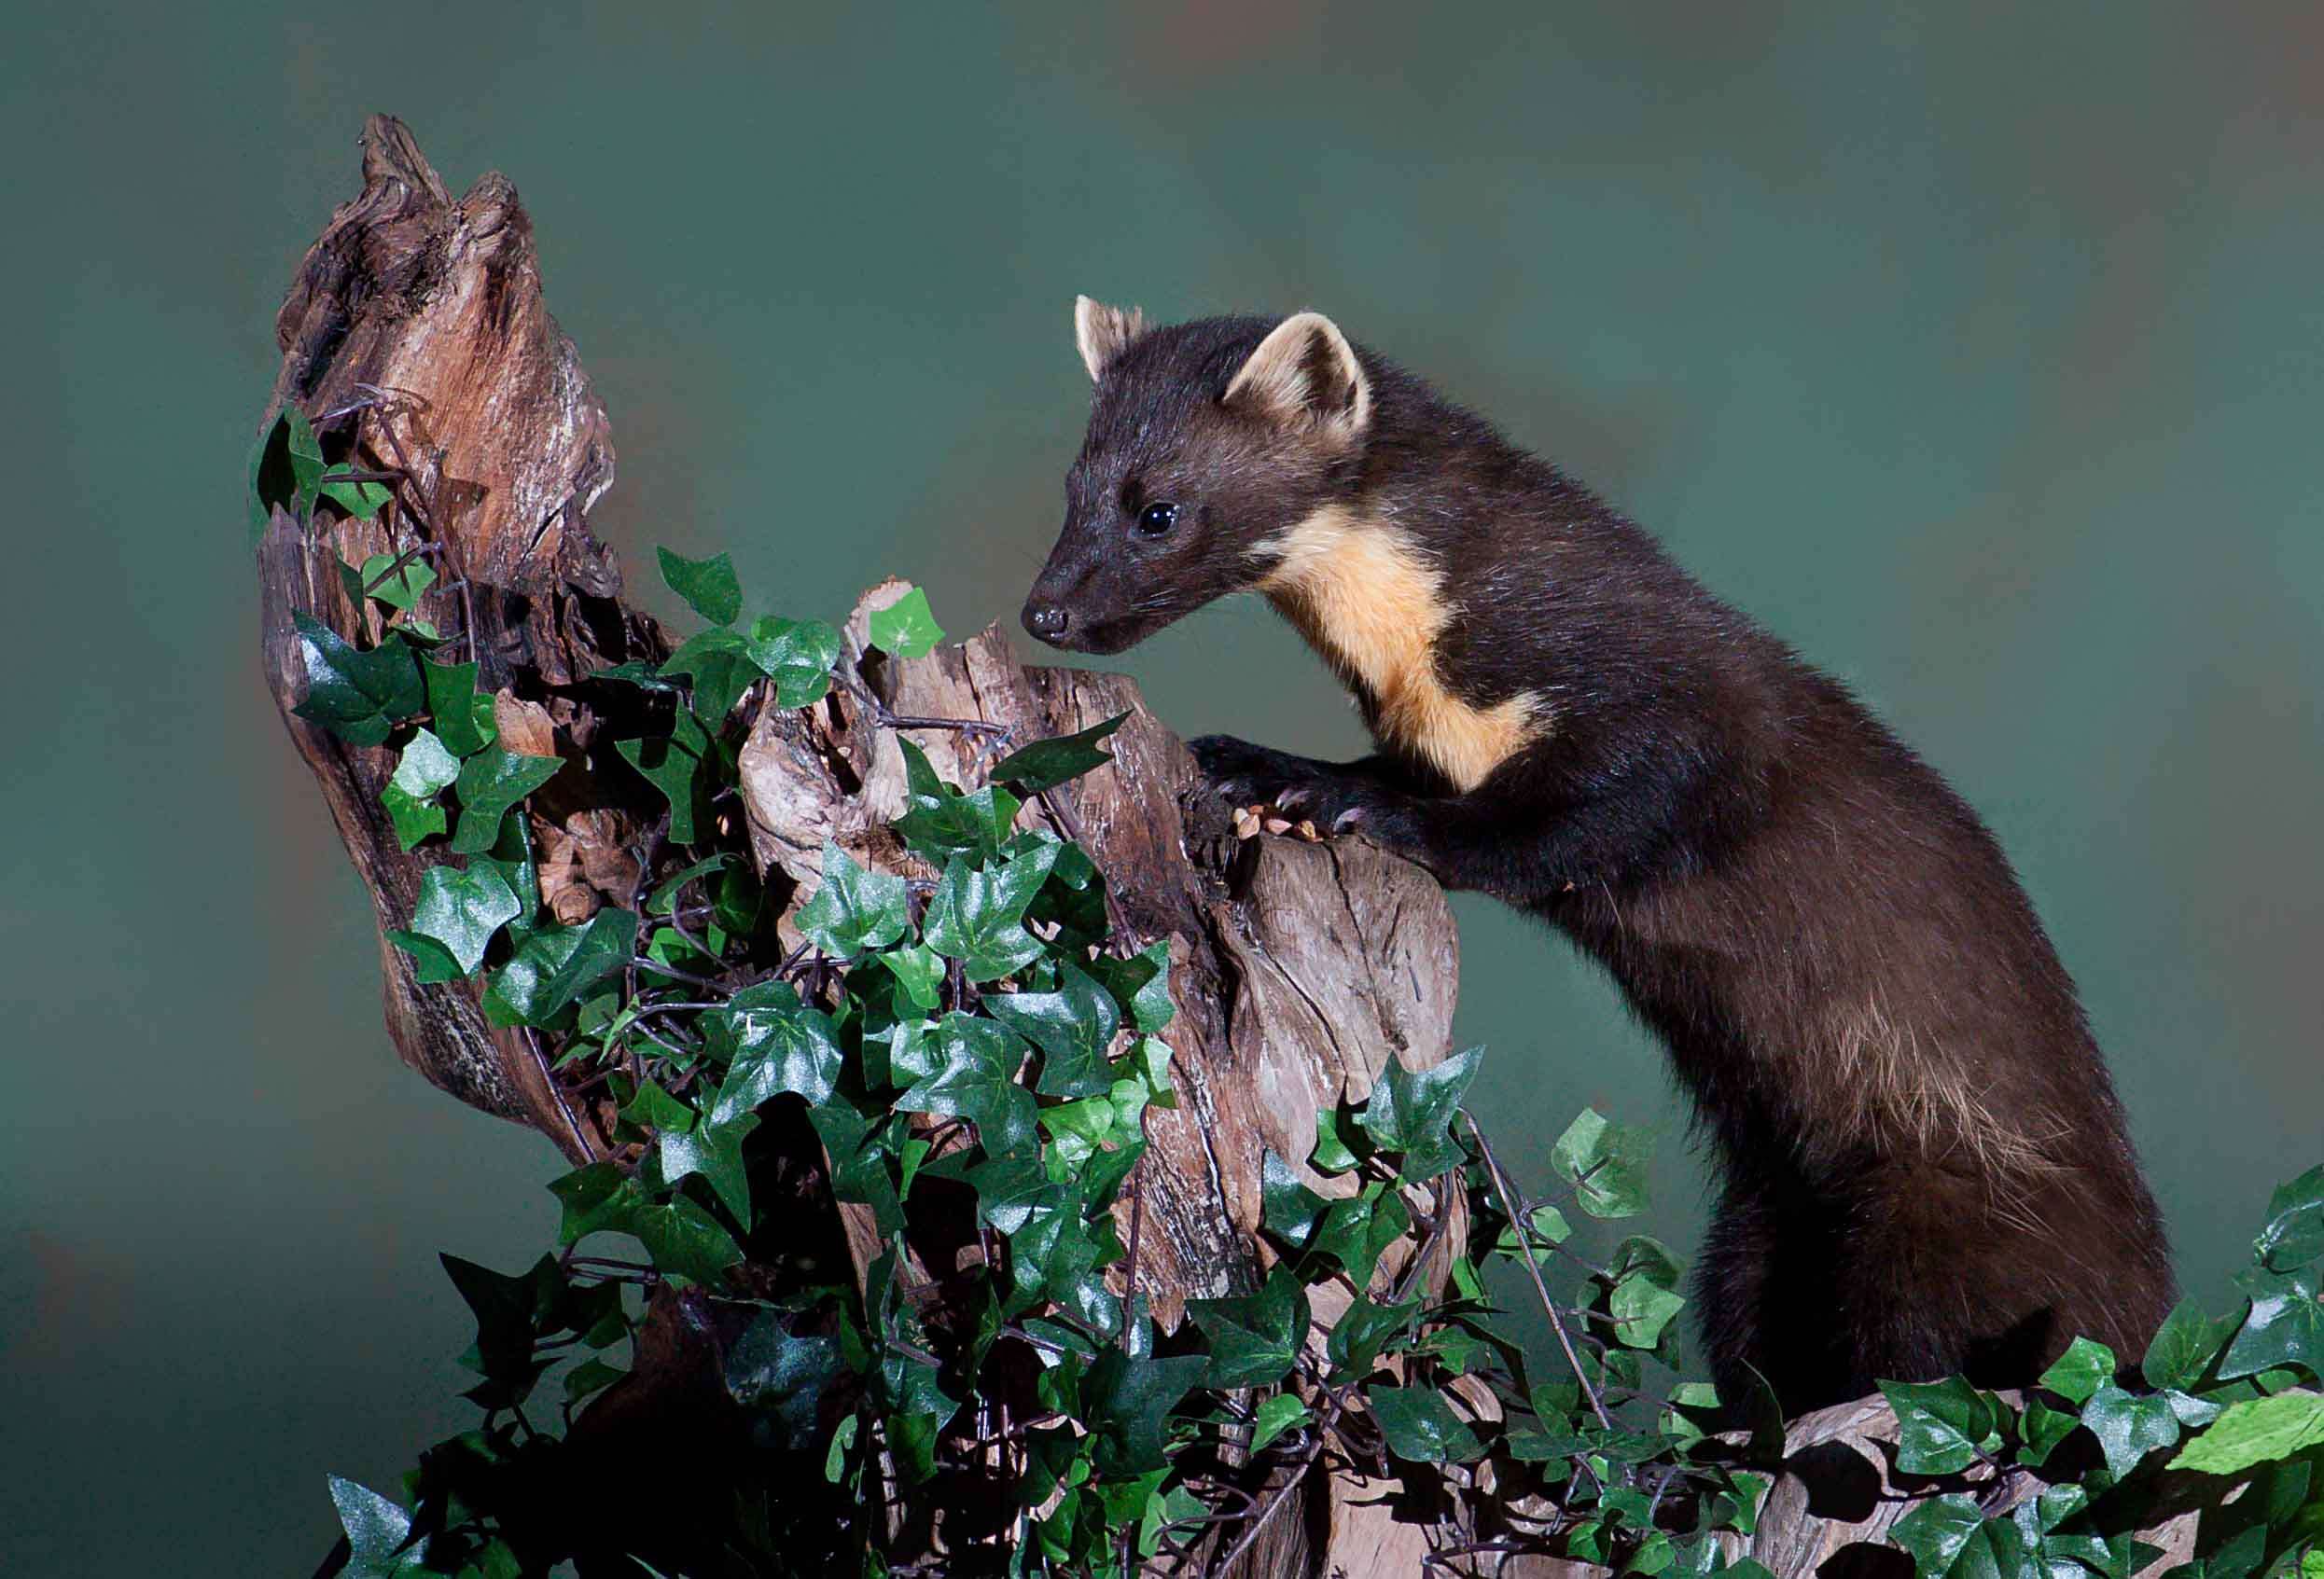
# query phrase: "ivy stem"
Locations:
[[1533, 1267]]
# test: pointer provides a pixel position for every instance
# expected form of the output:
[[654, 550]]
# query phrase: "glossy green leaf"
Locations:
[[715, 1151], [424, 771], [684, 1240], [919, 970], [1355, 1231], [431, 961], [1126, 1402], [976, 1079], [2285, 1325], [709, 586], [358, 696], [2294, 1233], [773, 1044], [973, 827], [1421, 1426], [400, 590], [2128, 1425], [555, 965], [462, 718], [1255, 1339], [1607, 1164], [1410, 1111], [1287, 1207], [854, 908], [492, 782], [720, 664], [1277, 1414], [1936, 1530], [905, 627], [2182, 1347], [2084, 1368], [977, 917], [1046, 763], [1941, 1426], [1365, 1330], [1073, 1025], [1141, 984], [672, 764], [2255, 1432], [377, 1530], [460, 911], [776, 1372], [797, 654]]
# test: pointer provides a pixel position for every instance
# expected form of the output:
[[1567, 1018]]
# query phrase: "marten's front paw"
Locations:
[[1305, 793]]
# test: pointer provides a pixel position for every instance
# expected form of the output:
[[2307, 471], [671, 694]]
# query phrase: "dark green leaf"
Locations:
[[1254, 1340], [1127, 1400], [774, 1047], [2285, 1326], [1935, 1531], [460, 911], [672, 764], [797, 654], [463, 719], [492, 782], [720, 664], [859, 1163], [905, 627], [555, 966], [715, 1151], [1141, 984], [424, 771], [665, 895], [709, 586], [975, 1079], [1420, 1426], [2128, 1426], [2295, 1234], [431, 961], [1365, 1329], [774, 1371], [2182, 1348], [361, 500], [2040, 1431], [2084, 1368], [973, 827], [358, 696], [273, 479], [683, 1240], [976, 917], [1355, 1231], [1606, 1163], [1046, 763], [1072, 1026], [1941, 1425], [1287, 1206], [1643, 1298], [855, 910], [1412, 1112]]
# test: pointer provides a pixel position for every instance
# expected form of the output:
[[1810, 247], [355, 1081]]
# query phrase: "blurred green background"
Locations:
[[1975, 348]]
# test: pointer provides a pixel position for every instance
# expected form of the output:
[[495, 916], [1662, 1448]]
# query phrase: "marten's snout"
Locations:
[[1047, 620]]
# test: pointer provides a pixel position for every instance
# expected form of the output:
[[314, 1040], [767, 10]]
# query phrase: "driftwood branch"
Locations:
[[416, 338]]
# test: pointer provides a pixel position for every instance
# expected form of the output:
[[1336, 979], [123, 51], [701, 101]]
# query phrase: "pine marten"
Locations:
[[1925, 1169]]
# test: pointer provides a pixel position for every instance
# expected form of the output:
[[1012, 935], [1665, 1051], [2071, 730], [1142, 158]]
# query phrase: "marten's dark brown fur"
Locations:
[[1924, 1165]]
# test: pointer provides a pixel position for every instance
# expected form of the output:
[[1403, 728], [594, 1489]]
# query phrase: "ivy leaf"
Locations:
[[683, 1241], [918, 969], [424, 771], [400, 590], [492, 782], [715, 1151], [720, 664], [1410, 1111], [709, 586], [1941, 1425], [1643, 1299], [1287, 1206], [1605, 1162], [1254, 1340], [431, 961], [905, 627], [672, 764], [973, 827], [859, 1169], [1421, 1427], [1935, 1531], [775, 1044], [555, 966], [2181, 1348], [2084, 1368], [1126, 1401], [1141, 984], [2128, 1426], [976, 1079], [1363, 1330], [361, 500], [1274, 1417], [2257, 1430], [1355, 1231], [2295, 1234], [797, 654], [2285, 1326], [1072, 1026], [275, 478], [464, 719], [2041, 1432], [376, 1529], [976, 917], [1046, 763], [460, 911], [358, 696], [855, 910], [774, 1372]]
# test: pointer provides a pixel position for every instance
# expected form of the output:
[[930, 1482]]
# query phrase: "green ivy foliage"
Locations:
[[983, 1042]]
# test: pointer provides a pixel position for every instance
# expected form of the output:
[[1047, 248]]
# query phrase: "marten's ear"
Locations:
[[1102, 332], [1305, 371]]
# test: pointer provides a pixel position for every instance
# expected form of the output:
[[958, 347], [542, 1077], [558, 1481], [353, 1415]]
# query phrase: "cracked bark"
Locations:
[[415, 334]]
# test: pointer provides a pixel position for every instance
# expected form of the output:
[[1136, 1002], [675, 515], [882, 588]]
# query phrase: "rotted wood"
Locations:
[[416, 338]]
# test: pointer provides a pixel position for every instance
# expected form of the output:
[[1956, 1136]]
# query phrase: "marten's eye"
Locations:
[[1156, 518]]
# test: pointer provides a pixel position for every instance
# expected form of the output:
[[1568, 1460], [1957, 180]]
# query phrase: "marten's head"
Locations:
[[1208, 443]]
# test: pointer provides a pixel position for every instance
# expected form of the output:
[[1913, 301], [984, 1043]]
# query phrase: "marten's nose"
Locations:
[[1046, 620]]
